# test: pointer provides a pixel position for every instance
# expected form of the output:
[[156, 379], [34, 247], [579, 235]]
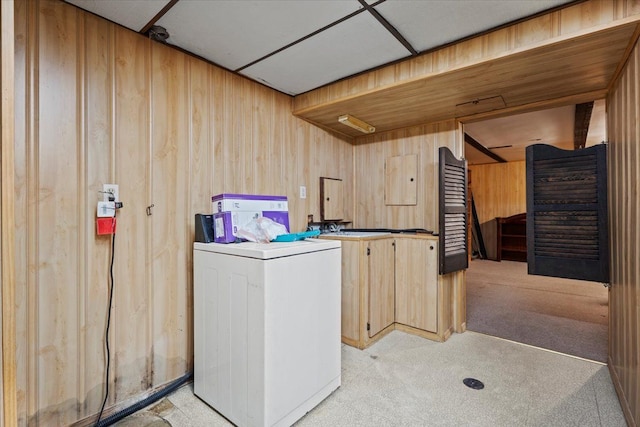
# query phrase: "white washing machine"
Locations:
[[266, 328]]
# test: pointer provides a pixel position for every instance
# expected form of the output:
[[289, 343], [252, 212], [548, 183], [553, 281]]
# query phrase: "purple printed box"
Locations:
[[249, 202], [235, 210]]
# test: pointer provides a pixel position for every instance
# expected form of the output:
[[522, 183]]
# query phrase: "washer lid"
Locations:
[[268, 250]]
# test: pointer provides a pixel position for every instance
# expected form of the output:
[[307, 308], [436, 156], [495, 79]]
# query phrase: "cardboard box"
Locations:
[[249, 203], [236, 210]]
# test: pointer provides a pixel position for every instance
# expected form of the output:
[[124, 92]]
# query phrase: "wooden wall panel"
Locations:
[[25, 36], [171, 221], [624, 206], [57, 251], [8, 397], [499, 190], [201, 169], [371, 154], [98, 72], [130, 169], [96, 104]]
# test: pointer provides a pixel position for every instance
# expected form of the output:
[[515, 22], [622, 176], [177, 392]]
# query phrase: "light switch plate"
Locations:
[[303, 192]]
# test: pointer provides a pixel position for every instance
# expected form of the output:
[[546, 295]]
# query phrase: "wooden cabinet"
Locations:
[[331, 199], [423, 297], [351, 291], [389, 283], [416, 284], [512, 238], [380, 281], [367, 290], [401, 180]]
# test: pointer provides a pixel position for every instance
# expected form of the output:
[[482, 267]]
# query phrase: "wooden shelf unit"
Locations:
[[512, 238]]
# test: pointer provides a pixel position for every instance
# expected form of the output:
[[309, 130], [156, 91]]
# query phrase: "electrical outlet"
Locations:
[[106, 209], [303, 192], [110, 189]]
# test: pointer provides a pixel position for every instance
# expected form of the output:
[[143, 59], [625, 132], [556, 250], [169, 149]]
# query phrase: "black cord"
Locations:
[[106, 333]]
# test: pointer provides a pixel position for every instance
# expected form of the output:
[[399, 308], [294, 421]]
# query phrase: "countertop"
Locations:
[[372, 235]]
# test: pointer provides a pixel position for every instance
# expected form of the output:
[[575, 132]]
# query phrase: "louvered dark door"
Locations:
[[453, 213], [567, 221]]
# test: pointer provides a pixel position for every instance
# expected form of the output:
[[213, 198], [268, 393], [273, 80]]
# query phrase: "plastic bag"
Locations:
[[261, 230]]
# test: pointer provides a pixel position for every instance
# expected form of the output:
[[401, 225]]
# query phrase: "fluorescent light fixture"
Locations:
[[356, 124]]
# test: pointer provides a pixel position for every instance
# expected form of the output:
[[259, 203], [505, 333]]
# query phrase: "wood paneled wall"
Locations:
[[8, 408], [499, 190], [512, 39], [623, 125], [95, 104], [371, 153]]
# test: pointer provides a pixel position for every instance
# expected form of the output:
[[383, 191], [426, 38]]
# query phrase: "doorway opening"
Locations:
[[568, 316]]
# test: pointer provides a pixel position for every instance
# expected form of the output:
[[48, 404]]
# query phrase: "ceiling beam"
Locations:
[[159, 15], [581, 124], [475, 144], [389, 27]]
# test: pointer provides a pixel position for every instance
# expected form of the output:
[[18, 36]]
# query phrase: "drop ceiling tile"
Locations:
[[553, 127], [428, 24], [357, 44], [235, 33], [133, 14]]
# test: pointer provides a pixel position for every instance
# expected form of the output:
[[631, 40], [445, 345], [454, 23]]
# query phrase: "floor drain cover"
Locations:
[[473, 383]]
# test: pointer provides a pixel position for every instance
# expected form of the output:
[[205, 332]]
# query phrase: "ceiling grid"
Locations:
[[240, 35], [297, 46]]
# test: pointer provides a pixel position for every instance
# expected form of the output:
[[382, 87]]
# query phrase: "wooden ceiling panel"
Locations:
[[475, 156], [572, 66]]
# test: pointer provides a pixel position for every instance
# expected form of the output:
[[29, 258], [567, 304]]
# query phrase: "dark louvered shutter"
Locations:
[[453, 213], [567, 220]]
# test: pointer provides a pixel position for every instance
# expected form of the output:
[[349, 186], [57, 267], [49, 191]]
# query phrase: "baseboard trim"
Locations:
[[624, 403]]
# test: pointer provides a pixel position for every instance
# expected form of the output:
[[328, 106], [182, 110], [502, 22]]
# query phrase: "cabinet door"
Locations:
[[401, 180], [417, 283], [332, 199], [351, 290], [381, 278]]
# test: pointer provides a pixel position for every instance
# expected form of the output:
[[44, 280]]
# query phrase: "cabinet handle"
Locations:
[[327, 199], [411, 180], [431, 247]]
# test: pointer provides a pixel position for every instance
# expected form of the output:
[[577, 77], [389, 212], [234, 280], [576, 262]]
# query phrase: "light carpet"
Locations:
[[568, 316]]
